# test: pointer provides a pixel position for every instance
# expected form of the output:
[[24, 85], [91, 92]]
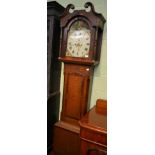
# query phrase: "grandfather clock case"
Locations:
[[80, 47]]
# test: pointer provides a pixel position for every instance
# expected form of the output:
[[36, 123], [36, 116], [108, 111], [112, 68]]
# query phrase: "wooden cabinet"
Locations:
[[93, 130], [53, 67]]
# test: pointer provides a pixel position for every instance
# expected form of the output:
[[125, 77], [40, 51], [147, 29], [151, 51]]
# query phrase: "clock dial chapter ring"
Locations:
[[78, 43]]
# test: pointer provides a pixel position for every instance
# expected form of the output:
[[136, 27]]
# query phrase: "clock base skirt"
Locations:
[[66, 139]]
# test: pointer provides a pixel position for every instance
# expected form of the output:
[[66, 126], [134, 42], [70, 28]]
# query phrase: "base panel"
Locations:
[[66, 139]]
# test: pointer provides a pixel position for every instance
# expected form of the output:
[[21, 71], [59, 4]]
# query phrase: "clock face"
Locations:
[[78, 43]]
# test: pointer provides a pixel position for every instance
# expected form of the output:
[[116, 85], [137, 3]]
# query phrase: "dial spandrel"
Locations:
[[78, 42]]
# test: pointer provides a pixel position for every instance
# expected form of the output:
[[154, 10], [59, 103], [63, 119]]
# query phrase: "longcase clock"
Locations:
[[80, 48]]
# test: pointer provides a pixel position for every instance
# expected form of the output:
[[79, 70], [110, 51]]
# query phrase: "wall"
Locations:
[[99, 88]]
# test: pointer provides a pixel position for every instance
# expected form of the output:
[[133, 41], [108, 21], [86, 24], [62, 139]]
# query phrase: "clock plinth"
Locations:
[[66, 139]]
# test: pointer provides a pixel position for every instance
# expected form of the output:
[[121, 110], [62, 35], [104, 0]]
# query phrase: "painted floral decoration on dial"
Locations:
[[78, 42]]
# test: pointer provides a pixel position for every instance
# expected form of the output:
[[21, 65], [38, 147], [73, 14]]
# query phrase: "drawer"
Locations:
[[93, 136], [88, 148]]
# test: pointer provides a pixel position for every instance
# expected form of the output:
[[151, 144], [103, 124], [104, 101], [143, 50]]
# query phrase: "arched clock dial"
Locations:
[[78, 42]]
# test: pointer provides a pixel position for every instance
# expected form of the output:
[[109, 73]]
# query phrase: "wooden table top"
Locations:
[[96, 118]]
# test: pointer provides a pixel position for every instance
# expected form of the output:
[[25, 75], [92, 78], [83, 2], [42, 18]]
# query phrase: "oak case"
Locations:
[[78, 75]]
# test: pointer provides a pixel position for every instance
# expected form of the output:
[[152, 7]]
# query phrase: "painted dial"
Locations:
[[78, 43]]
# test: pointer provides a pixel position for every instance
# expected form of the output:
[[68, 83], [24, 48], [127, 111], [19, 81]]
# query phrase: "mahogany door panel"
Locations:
[[77, 83], [74, 89]]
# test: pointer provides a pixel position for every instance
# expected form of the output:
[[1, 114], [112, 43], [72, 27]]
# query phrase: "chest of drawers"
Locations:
[[93, 130]]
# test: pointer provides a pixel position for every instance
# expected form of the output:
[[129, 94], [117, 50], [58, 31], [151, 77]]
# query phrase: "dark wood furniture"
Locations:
[[93, 130], [80, 47], [53, 67]]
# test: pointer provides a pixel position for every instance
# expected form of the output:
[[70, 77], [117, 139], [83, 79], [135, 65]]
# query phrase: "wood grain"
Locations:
[[93, 129], [77, 84], [78, 73]]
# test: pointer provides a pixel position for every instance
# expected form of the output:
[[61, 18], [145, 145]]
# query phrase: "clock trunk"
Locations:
[[77, 89]]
